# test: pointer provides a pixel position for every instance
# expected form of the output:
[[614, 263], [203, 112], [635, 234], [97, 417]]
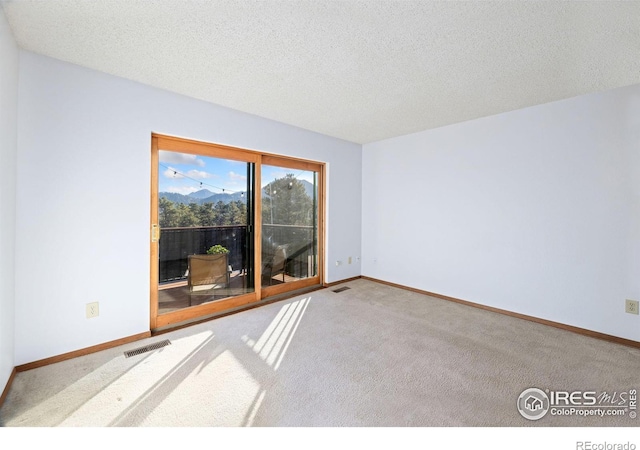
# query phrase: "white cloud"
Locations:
[[195, 174], [237, 177], [180, 158], [237, 163], [172, 173], [199, 174]]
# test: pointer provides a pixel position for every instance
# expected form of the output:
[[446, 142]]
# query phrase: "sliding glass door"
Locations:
[[218, 242], [204, 213], [289, 225]]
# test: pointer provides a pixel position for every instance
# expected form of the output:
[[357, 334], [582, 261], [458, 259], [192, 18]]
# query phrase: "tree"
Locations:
[[285, 202], [237, 213], [168, 215], [187, 215], [207, 215], [222, 213]]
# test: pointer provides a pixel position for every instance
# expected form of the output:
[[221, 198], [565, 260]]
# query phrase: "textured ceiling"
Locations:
[[357, 70]]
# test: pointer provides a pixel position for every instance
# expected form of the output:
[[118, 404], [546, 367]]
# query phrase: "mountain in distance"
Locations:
[[201, 197], [177, 198], [206, 196], [202, 193]]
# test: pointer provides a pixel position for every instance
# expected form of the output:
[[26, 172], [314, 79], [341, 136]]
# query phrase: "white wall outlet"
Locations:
[[631, 306], [92, 310], [349, 259]]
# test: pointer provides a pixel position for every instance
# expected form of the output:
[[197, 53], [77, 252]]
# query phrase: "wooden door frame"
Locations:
[[171, 143]]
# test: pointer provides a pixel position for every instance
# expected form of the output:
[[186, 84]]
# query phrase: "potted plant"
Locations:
[[217, 250]]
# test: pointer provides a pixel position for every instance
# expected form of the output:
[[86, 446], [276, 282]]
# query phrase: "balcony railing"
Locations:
[[178, 243], [300, 242]]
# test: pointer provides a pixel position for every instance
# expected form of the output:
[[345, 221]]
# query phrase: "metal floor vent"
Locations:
[[342, 289], [147, 348]]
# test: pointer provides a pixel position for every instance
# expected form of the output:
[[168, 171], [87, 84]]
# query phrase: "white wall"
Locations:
[[8, 148], [83, 197], [534, 211]]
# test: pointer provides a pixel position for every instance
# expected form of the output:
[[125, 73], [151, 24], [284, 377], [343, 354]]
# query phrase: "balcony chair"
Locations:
[[277, 264], [207, 272]]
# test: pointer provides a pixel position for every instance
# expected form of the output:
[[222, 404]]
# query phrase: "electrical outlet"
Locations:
[[92, 310], [631, 306], [349, 259]]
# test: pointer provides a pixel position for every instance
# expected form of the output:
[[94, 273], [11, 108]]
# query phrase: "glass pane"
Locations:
[[206, 244], [289, 225]]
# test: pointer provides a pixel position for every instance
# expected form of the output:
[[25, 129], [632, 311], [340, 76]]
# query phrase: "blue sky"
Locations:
[[184, 173]]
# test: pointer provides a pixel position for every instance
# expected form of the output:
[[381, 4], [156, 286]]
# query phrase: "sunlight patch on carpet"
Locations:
[[272, 345], [128, 395]]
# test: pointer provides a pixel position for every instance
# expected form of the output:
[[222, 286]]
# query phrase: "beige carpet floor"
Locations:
[[371, 356]]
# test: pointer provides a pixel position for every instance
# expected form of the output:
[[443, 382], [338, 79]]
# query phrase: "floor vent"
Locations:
[[147, 348], [342, 289]]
